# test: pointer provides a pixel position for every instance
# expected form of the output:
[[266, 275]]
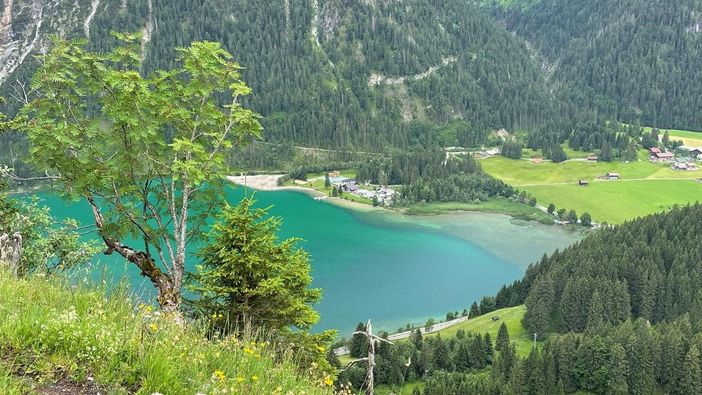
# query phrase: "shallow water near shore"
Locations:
[[377, 264]]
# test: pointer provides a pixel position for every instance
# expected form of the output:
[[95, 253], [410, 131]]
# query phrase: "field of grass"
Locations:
[[406, 389], [688, 137], [645, 187], [520, 173], [616, 202], [511, 316], [501, 206], [55, 336], [693, 139]]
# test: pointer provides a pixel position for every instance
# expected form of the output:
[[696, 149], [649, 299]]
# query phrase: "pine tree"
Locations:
[[442, 356], [595, 316], [691, 377], [327, 181], [539, 305], [247, 276], [616, 382], [358, 347], [606, 152], [502, 341], [489, 350], [474, 311], [416, 339]]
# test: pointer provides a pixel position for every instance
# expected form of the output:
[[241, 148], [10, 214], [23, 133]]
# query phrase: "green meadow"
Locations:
[[511, 316], [618, 201], [644, 187]]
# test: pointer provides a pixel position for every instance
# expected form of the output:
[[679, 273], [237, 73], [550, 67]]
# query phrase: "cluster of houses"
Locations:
[[383, 195], [684, 163]]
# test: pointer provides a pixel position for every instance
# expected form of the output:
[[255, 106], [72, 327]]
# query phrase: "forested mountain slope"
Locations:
[[314, 65], [626, 59], [649, 268]]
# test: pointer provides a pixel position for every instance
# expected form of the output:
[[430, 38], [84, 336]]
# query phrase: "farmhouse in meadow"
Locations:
[[612, 176], [662, 156]]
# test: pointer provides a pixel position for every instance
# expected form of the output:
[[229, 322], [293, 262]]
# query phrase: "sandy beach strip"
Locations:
[[269, 182]]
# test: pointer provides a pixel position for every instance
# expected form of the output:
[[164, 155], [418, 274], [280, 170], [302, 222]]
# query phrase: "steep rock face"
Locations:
[[27, 25]]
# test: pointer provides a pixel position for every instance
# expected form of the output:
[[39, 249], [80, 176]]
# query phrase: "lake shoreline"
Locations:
[[269, 182]]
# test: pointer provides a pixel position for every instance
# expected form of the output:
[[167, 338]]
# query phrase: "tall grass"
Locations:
[[51, 331]]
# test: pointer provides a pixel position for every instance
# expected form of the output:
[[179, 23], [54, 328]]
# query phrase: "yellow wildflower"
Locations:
[[321, 349], [328, 380], [153, 327], [254, 378], [239, 379], [219, 375], [248, 350]]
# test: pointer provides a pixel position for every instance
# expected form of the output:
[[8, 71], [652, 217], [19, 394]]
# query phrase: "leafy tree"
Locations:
[[47, 245], [430, 322], [248, 277], [151, 161], [586, 219], [512, 149], [532, 201], [666, 138], [572, 217], [561, 213], [551, 208]]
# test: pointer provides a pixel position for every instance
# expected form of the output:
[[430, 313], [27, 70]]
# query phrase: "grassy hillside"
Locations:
[[511, 316], [55, 338]]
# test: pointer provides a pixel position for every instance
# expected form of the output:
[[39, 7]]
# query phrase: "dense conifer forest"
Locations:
[[629, 60]]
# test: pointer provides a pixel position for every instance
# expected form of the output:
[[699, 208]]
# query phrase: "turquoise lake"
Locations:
[[391, 268]]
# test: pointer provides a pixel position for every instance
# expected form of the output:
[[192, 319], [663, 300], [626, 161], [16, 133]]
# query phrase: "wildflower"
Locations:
[[153, 327], [248, 351], [328, 380], [254, 378], [219, 375], [321, 349], [239, 379]]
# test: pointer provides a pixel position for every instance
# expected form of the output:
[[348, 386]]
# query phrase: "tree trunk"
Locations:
[[11, 251], [168, 291]]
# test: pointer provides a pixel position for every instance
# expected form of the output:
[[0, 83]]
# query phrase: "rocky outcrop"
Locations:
[[10, 251]]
